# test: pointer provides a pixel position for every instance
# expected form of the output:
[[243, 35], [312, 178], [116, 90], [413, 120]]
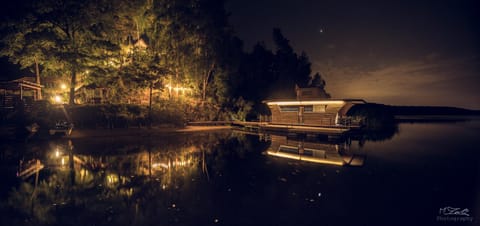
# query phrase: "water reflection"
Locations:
[[339, 152], [66, 178], [68, 175], [131, 181], [229, 179], [151, 162]]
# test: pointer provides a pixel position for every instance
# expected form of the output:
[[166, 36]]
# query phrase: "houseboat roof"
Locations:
[[312, 102]]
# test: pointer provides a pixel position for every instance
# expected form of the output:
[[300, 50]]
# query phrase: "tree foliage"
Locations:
[[66, 36], [267, 74], [129, 45]]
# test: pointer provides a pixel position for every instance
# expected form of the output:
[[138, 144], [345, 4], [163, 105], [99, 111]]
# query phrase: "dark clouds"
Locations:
[[432, 82], [395, 52]]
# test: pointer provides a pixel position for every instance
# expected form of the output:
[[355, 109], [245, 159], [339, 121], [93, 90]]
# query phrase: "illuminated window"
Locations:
[[289, 108], [319, 108]]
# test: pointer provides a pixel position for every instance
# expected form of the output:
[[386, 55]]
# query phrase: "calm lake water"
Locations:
[[407, 177]]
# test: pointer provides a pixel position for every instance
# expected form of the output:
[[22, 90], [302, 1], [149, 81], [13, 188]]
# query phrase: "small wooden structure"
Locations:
[[328, 113], [23, 89], [311, 108]]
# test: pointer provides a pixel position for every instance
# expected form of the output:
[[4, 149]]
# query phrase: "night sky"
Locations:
[[392, 52]]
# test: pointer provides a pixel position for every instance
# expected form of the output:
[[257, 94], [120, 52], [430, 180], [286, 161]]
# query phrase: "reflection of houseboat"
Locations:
[[314, 151]]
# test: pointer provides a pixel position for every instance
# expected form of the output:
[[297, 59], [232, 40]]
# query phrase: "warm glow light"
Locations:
[[58, 99], [83, 173], [63, 86], [311, 102], [180, 88], [110, 62], [57, 153], [112, 178], [306, 158], [157, 165], [177, 88]]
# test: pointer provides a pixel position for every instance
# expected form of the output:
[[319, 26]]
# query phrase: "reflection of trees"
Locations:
[[231, 152], [117, 189]]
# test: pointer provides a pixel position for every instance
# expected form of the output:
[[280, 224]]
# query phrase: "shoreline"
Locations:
[[91, 133], [8, 133]]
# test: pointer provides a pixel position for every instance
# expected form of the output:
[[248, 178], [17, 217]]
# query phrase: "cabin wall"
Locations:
[[277, 141], [326, 118], [283, 117]]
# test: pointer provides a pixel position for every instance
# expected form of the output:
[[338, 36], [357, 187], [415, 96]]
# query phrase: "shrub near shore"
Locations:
[[168, 113], [164, 113], [110, 116], [375, 116]]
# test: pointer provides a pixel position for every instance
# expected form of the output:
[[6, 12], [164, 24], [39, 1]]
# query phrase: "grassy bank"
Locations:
[[45, 115]]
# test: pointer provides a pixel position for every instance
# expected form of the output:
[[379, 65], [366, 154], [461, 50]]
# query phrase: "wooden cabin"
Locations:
[[23, 90], [312, 109]]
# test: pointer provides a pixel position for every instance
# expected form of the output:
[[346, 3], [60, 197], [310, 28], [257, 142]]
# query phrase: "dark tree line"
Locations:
[[165, 44], [270, 74]]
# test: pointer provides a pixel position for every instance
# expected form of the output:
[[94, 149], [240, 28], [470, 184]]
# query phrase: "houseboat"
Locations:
[[312, 112], [326, 112]]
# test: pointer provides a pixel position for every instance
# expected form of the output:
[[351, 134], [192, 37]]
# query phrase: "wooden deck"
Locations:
[[305, 129], [210, 123], [296, 129]]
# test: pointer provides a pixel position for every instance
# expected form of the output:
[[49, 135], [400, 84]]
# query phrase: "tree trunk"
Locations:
[[73, 83], [150, 162], [138, 30], [204, 90], [205, 82], [37, 72], [150, 106], [175, 89]]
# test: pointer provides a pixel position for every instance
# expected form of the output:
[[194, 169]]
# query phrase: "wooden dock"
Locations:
[[308, 130], [293, 129], [210, 123]]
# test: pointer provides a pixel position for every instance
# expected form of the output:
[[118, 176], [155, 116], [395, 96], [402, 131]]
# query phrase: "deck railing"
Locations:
[[350, 121]]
